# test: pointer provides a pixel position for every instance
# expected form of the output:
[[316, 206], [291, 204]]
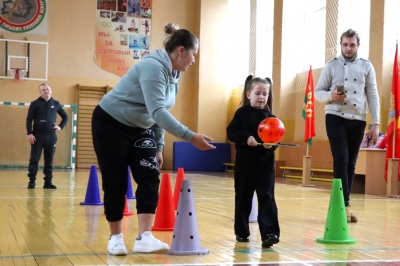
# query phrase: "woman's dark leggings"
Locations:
[[345, 137], [118, 146]]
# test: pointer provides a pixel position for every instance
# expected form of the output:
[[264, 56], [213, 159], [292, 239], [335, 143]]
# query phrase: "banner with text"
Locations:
[[123, 32]]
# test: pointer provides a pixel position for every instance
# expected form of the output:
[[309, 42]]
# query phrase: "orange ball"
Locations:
[[271, 130]]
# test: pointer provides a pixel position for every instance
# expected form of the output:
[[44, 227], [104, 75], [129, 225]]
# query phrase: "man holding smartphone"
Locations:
[[346, 84], [340, 89]]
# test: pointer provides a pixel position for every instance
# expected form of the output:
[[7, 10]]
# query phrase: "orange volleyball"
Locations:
[[271, 130]]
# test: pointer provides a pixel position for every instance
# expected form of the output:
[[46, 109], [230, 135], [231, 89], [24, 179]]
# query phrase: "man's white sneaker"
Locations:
[[148, 243], [116, 245]]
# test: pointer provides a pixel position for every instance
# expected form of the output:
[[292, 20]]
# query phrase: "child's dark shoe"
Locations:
[[270, 240], [242, 239]]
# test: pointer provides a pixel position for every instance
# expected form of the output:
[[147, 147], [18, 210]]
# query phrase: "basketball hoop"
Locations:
[[18, 74]]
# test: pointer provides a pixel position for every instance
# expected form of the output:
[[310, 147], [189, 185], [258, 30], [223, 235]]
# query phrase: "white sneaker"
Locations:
[[116, 245], [148, 243]]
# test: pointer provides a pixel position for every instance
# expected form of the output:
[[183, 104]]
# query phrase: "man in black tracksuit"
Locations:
[[43, 113]]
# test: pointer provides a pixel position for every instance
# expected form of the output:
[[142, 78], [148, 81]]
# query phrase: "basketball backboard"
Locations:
[[20, 54]]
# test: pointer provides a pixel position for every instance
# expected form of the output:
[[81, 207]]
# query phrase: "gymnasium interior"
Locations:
[[72, 51]]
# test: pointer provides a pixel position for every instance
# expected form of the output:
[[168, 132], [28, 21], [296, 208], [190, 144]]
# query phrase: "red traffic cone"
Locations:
[[178, 182], [127, 212], [92, 190], [165, 213]]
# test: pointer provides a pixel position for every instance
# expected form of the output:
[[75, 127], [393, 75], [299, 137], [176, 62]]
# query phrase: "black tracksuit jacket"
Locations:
[[43, 114]]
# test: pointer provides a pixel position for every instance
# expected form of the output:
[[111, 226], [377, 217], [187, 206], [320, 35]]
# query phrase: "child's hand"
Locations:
[[251, 141], [267, 146]]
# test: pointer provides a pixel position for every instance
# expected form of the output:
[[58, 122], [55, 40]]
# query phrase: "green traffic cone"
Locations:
[[336, 228]]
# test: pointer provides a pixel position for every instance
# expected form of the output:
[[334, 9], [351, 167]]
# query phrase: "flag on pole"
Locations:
[[393, 128], [308, 109]]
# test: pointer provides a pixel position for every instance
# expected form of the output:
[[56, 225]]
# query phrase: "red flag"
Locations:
[[308, 109], [393, 128]]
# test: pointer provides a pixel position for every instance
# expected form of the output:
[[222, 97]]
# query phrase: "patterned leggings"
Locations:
[[118, 146]]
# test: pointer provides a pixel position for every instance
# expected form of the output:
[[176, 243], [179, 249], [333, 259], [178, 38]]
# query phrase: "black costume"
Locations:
[[43, 114], [254, 171]]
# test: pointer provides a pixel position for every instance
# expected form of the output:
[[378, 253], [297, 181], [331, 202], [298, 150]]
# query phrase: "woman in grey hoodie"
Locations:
[[128, 129]]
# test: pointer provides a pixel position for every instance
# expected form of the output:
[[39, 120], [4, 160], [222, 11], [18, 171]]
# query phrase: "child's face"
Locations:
[[258, 96]]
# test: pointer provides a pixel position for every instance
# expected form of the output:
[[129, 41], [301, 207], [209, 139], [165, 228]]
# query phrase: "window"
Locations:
[[236, 50], [355, 14], [304, 33], [265, 37], [313, 31]]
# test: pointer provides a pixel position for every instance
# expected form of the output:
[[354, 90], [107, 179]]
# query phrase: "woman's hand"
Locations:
[[160, 159], [201, 142]]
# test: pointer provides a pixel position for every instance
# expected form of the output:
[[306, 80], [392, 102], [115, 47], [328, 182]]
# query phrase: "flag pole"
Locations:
[[394, 137], [395, 111], [395, 115], [392, 164], [309, 130]]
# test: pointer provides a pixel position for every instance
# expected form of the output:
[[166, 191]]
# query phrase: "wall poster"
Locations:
[[123, 31]]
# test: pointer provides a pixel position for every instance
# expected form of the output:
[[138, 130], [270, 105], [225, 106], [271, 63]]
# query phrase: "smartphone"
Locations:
[[340, 89]]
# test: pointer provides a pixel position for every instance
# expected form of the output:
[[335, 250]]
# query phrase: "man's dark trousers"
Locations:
[[47, 143]]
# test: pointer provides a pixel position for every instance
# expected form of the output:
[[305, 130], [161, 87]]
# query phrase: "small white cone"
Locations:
[[254, 210]]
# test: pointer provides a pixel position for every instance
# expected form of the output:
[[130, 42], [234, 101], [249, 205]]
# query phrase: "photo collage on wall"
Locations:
[[128, 22]]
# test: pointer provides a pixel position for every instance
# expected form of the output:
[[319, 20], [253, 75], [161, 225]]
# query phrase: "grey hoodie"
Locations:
[[144, 95]]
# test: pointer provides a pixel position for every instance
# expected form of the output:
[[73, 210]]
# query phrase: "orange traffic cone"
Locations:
[[127, 212], [165, 214], [178, 182]]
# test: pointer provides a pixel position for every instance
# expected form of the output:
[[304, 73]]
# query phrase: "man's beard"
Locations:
[[351, 59]]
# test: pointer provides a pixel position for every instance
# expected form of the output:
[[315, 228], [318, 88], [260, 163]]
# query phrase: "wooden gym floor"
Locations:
[[50, 227]]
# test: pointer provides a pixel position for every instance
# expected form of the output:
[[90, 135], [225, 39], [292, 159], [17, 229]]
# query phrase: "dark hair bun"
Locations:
[[171, 28]]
